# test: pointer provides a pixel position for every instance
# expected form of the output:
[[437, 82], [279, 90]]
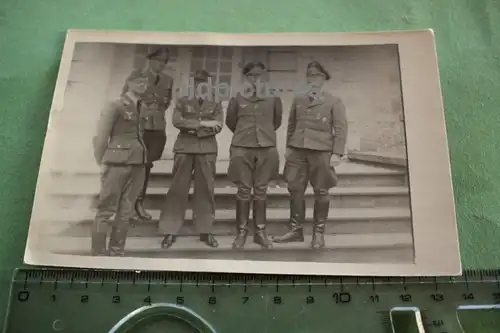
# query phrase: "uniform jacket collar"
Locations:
[[194, 101], [254, 98], [318, 100]]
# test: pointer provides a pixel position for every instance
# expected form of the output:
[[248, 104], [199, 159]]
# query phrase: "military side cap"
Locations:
[[201, 75], [159, 53], [315, 68]]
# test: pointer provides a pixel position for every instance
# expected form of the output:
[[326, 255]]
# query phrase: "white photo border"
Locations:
[[435, 232]]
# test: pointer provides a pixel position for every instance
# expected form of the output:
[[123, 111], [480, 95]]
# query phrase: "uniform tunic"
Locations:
[[118, 146], [254, 159], [195, 153], [160, 93], [317, 128]]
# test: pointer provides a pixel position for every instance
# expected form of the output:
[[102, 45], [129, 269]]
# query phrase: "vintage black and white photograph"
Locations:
[[260, 153]]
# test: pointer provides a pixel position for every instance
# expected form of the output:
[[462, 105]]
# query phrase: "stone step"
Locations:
[[342, 197], [349, 173], [390, 247], [340, 221]]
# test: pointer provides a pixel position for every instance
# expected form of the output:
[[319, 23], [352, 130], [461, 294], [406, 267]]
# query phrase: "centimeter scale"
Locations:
[[83, 301]]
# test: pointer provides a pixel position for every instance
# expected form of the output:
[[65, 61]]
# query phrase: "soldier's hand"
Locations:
[[210, 123], [104, 168], [335, 160]]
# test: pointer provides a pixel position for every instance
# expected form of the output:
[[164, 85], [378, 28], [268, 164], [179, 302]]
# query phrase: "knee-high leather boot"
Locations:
[[139, 204], [98, 238], [117, 240], [242, 216], [297, 217], [260, 222], [99, 243], [321, 209]]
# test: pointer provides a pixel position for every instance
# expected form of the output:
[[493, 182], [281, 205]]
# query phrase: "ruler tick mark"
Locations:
[[245, 286], [149, 285], [180, 284], [213, 285], [117, 285], [309, 286], [373, 284], [496, 279], [25, 284], [86, 281], [436, 285]]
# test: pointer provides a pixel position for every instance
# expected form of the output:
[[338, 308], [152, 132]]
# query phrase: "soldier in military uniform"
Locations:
[[199, 121], [253, 118], [160, 94], [121, 153], [316, 139]]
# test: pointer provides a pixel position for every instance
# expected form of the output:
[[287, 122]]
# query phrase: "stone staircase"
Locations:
[[369, 218]]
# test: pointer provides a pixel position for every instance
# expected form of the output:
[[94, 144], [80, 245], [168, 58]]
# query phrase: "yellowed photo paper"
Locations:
[[280, 153]]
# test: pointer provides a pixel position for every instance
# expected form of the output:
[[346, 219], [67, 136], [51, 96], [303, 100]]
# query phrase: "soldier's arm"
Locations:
[[219, 118], [278, 113], [232, 114], [103, 132], [292, 122], [168, 93], [340, 127], [182, 123]]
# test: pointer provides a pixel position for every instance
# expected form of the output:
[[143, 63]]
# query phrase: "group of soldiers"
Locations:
[[131, 136]]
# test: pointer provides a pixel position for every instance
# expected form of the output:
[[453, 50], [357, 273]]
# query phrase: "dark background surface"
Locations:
[[468, 43]]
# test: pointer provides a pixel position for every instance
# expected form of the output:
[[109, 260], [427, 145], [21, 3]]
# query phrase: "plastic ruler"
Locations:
[[80, 301]]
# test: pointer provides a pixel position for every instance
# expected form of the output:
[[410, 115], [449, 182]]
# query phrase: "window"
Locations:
[[217, 60]]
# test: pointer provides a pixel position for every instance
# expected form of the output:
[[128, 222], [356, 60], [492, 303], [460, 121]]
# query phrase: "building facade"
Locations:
[[367, 78]]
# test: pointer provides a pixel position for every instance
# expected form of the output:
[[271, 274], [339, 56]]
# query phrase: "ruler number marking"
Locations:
[[245, 299], [277, 300], [212, 300], [496, 297], [374, 298], [342, 298], [437, 297], [405, 297], [147, 300], [179, 300], [309, 299], [116, 299], [468, 296], [53, 297], [23, 296], [84, 299]]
